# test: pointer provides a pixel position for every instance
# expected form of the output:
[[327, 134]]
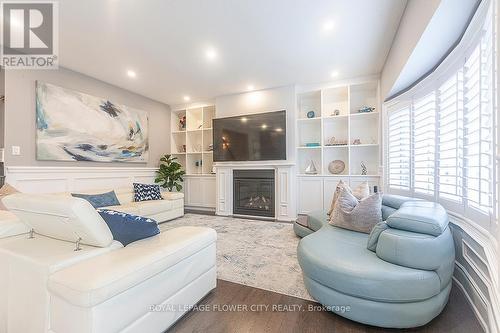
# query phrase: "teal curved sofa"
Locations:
[[404, 283]]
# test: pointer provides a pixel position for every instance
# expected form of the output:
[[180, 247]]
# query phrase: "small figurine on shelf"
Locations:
[[334, 142], [366, 109], [311, 169], [356, 142], [336, 112], [364, 171], [182, 123], [211, 147], [311, 114]]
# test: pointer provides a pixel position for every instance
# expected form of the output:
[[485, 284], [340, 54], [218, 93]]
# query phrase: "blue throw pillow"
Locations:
[[145, 192], [128, 228], [99, 200]]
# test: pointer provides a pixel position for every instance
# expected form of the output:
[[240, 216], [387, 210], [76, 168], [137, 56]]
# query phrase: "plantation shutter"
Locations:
[[450, 136], [478, 123], [398, 163], [424, 143]]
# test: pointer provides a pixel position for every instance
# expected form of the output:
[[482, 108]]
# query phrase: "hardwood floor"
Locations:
[[279, 317]]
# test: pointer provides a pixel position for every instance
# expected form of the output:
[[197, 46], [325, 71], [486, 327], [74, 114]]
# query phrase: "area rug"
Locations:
[[255, 253]]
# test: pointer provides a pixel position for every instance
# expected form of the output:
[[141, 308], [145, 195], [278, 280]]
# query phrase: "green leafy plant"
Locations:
[[170, 173]]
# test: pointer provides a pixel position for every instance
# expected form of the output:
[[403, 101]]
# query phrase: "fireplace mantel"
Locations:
[[284, 186]]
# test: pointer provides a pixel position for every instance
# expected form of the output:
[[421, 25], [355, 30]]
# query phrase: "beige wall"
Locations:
[[20, 114], [416, 17]]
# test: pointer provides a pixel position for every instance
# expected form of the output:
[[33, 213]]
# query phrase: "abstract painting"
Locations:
[[73, 126]]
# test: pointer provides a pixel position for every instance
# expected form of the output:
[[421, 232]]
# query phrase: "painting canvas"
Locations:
[[73, 126]]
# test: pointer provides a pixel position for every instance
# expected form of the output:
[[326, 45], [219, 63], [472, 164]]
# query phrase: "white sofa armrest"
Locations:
[[10, 225], [121, 270], [172, 195]]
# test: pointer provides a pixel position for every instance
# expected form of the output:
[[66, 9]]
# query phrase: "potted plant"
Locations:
[[170, 173]]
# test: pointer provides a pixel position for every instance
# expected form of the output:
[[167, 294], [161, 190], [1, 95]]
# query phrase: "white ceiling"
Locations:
[[266, 43]]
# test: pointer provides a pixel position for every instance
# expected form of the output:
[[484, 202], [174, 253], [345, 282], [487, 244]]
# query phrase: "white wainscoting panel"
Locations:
[[72, 179]]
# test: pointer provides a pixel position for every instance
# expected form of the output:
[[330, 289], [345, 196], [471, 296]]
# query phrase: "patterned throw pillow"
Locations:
[[145, 192], [340, 186], [99, 200], [128, 228], [360, 192], [361, 216]]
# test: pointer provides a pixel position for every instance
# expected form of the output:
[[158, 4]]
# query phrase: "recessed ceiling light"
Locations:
[[211, 54], [279, 130], [244, 119], [264, 126], [187, 98], [328, 26], [334, 74], [131, 73], [250, 87]]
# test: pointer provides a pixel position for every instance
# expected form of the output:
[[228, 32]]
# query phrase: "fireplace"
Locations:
[[253, 192]]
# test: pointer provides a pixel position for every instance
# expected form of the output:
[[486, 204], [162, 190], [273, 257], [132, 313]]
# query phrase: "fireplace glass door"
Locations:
[[254, 192]]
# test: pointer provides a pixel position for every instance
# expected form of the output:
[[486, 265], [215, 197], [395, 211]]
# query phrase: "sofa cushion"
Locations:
[[395, 201], [415, 250], [129, 208], [172, 195], [10, 225], [127, 228], [99, 200], [148, 208], [145, 192], [317, 219], [339, 259], [128, 267], [420, 216], [374, 235], [61, 217]]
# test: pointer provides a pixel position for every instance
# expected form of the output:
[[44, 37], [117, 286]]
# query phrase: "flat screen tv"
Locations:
[[257, 137]]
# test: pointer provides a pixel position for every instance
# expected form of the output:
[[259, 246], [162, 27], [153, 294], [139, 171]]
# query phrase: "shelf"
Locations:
[[207, 129], [309, 119], [304, 147], [347, 126], [365, 145], [208, 152], [178, 153], [195, 130], [178, 132], [363, 114], [342, 116]]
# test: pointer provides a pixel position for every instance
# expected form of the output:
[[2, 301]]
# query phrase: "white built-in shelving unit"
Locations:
[[348, 126], [191, 144]]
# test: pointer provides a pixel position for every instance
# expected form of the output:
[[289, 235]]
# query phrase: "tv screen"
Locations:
[[257, 137]]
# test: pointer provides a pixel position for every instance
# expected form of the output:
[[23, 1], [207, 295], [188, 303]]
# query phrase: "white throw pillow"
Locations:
[[362, 191]]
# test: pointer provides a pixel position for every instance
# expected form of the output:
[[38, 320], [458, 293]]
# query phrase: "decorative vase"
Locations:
[[364, 171], [311, 169]]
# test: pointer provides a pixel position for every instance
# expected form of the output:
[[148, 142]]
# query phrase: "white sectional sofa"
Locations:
[[159, 210], [146, 286]]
